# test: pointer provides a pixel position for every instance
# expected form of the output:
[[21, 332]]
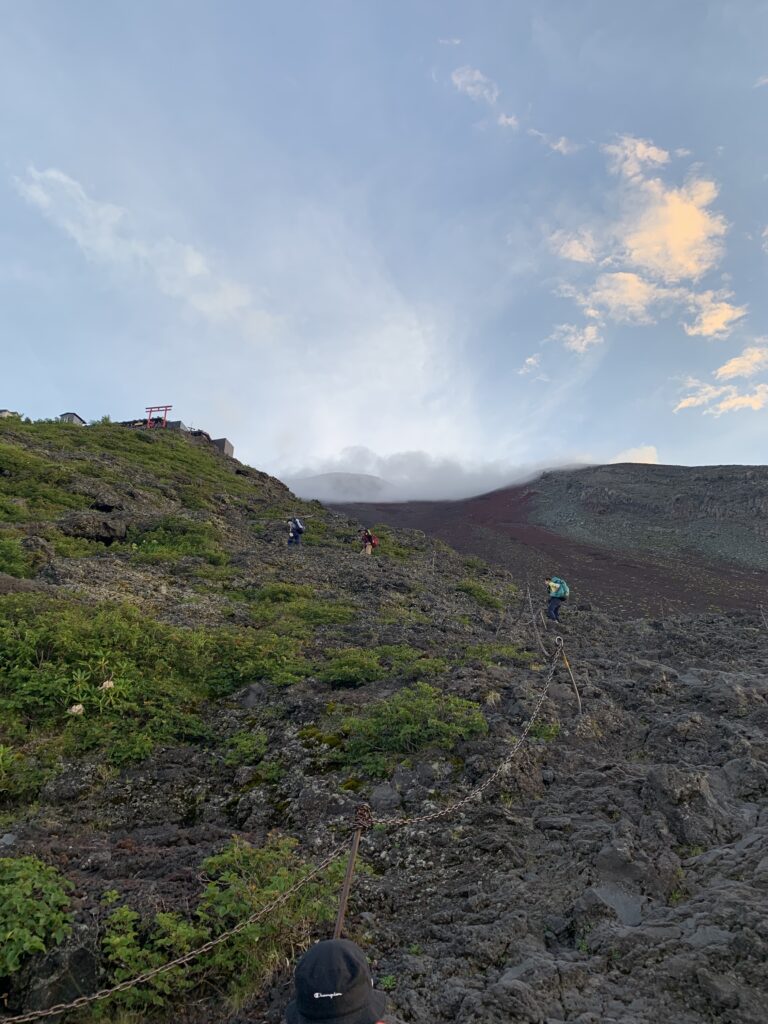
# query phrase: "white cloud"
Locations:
[[764, 237], [722, 399], [681, 151], [449, 42], [751, 360], [577, 339], [508, 121], [629, 155], [530, 364], [562, 145], [409, 475], [581, 247], [663, 240], [623, 297], [715, 318], [670, 232], [700, 393], [475, 84], [103, 233], [645, 453], [761, 81], [757, 400]]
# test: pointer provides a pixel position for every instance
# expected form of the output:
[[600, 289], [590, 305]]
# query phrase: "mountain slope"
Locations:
[[616, 873], [635, 537]]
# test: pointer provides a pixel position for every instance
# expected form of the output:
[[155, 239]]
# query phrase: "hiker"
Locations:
[[557, 592], [333, 984], [295, 530], [370, 541]]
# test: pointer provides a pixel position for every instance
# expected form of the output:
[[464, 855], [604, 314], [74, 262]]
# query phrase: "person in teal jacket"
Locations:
[[557, 592]]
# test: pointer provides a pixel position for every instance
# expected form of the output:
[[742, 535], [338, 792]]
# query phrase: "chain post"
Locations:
[[363, 820]]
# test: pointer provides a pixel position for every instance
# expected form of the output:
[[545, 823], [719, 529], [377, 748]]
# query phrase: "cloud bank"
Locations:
[[648, 258], [359, 474]]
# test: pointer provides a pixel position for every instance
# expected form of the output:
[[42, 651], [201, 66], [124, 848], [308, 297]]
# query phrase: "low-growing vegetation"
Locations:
[[245, 747], [173, 538], [355, 666], [79, 678], [416, 719], [14, 560], [241, 880], [546, 731], [482, 596], [34, 910], [391, 545], [293, 609], [498, 654]]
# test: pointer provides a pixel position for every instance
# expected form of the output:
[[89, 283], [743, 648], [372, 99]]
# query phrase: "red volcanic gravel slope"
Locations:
[[499, 528]]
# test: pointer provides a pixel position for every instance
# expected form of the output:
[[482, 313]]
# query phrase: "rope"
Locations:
[[141, 979], [575, 687], [505, 765]]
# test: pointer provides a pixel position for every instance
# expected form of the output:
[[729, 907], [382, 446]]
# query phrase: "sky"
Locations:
[[442, 240]]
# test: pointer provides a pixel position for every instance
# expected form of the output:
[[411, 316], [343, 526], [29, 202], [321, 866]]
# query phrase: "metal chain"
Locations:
[[505, 765], [141, 979], [363, 822]]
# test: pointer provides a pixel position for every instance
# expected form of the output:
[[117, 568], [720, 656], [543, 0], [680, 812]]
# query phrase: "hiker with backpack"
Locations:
[[370, 541], [557, 592], [295, 530]]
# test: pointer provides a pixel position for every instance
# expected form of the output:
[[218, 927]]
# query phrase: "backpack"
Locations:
[[374, 541], [297, 524], [563, 590]]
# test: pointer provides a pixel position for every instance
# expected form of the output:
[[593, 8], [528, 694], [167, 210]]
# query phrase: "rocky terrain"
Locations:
[[617, 873], [637, 538]]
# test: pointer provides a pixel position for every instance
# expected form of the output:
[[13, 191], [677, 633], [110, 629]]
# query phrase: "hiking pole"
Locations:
[[363, 820]]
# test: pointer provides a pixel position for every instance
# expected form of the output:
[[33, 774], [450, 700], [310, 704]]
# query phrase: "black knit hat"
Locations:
[[333, 984]]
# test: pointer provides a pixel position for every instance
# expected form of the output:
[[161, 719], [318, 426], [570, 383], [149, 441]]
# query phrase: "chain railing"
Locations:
[[363, 821]]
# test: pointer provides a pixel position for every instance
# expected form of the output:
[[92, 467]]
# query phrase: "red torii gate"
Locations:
[[152, 409]]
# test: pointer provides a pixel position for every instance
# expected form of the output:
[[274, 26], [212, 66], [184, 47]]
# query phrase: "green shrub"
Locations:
[[417, 718], [174, 538], [483, 597], [545, 731], [253, 655], [246, 747], [390, 544], [241, 880], [14, 560], [34, 904], [56, 655], [352, 666], [293, 609], [496, 654], [475, 564], [282, 593], [20, 778], [33, 487], [74, 547], [410, 662]]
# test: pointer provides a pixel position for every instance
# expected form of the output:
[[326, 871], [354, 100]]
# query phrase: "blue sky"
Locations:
[[488, 234]]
